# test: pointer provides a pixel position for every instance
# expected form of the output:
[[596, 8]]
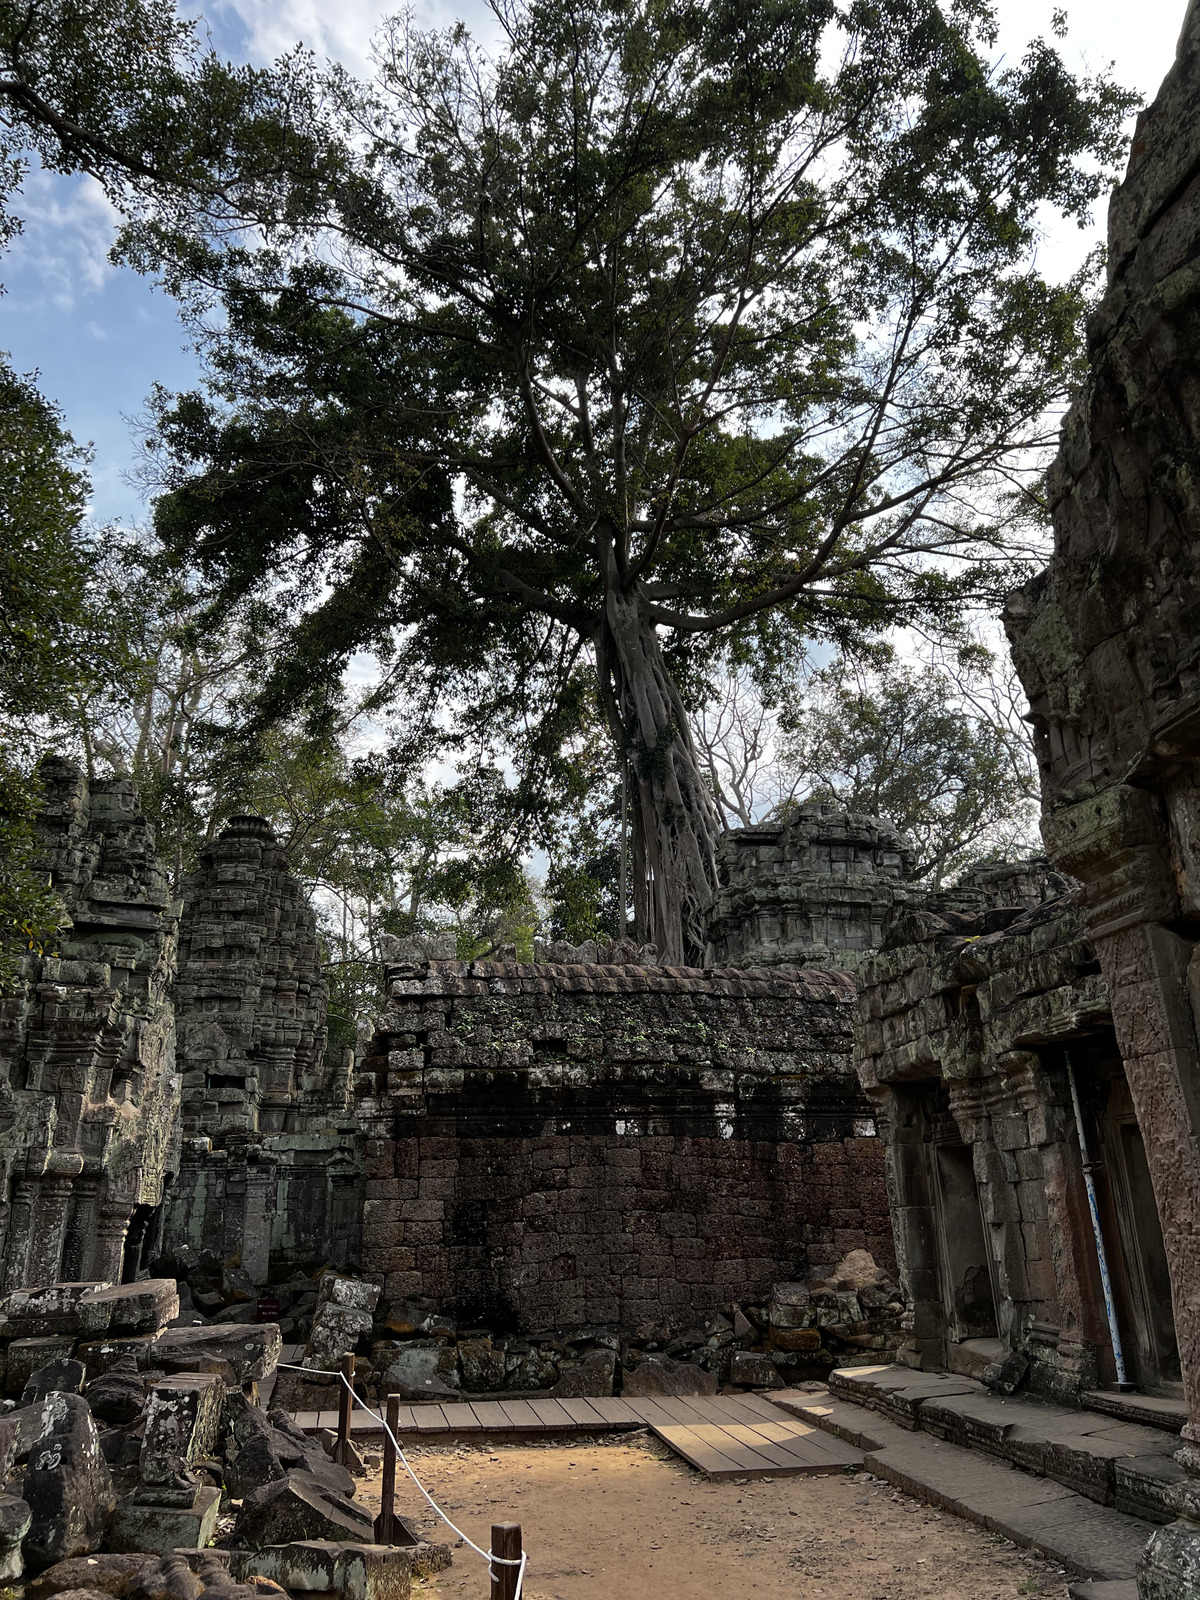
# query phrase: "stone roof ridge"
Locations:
[[434, 976], [921, 925]]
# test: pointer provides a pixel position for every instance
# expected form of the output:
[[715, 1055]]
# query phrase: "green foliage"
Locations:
[[725, 319], [905, 743], [31, 915]]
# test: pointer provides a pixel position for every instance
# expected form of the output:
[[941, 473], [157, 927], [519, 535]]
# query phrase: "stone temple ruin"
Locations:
[[861, 1145]]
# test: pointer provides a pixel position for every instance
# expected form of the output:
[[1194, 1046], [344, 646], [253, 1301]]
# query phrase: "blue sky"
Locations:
[[101, 336]]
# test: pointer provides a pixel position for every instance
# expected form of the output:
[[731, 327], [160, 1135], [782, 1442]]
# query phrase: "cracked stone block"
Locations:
[[239, 1354], [161, 1529], [182, 1425], [129, 1308], [67, 1486], [15, 1520], [32, 1313], [27, 1356], [299, 1508]]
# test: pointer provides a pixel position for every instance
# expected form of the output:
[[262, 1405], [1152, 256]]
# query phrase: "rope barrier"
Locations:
[[493, 1561]]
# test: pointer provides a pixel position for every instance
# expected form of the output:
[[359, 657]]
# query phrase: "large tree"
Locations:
[[675, 327]]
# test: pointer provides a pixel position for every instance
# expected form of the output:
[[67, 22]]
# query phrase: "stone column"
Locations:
[[20, 1221], [81, 1231], [48, 1228], [109, 1256], [258, 1218]]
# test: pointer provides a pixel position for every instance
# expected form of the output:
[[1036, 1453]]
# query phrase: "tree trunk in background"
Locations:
[[675, 823]]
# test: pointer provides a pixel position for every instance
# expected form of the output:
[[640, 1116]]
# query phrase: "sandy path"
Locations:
[[627, 1521]]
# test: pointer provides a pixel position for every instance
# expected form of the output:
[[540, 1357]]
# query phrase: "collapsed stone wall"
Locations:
[[89, 1096], [566, 1145]]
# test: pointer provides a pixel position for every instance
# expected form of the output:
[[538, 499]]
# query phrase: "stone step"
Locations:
[[1101, 1589], [1150, 1411], [1094, 1541], [1123, 1464]]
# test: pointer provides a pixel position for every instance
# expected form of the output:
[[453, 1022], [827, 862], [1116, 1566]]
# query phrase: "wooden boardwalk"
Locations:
[[723, 1436]]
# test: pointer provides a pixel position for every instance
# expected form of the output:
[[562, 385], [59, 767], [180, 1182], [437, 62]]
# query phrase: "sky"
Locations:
[[100, 336]]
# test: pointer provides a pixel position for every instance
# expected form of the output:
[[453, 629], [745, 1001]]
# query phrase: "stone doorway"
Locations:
[[964, 1261], [1129, 1218]]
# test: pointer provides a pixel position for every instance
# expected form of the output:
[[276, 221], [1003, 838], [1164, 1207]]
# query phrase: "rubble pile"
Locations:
[[843, 1315], [131, 1443]]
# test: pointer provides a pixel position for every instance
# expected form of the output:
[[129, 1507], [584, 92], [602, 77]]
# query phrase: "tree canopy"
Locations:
[[673, 329]]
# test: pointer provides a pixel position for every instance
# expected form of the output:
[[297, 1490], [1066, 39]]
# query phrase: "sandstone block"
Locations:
[[422, 1373], [31, 1313], [300, 1508], [15, 1520], [182, 1424], [108, 1573], [62, 1375], [27, 1356], [162, 1528], [754, 1371], [129, 1308], [236, 1353], [660, 1375], [68, 1486]]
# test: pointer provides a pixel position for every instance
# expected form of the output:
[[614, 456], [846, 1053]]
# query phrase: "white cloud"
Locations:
[[343, 30], [62, 255]]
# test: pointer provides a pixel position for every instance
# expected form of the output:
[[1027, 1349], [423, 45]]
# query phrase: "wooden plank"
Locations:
[[697, 1451], [683, 1408], [779, 1455], [520, 1414], [406, 1425], [327, 1419], [649, 1411], [310, 1421], [551, 1415], [429, 1419], [733, 1407], [491, 1415], [460, 1417], [808, 1444], [758, 1403], [609, 1409], [587, 1413], [711, 1433]]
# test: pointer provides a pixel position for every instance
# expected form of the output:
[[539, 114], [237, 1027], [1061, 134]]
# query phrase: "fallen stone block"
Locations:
[[139, 1525], [129, 1308], [109, 1572], [26, 1356], [63, 1376], [15, 1520], [355, 1293], [592, 1375], [262, 1450], [102, 1355], [238, 1354], [33, 1313], [182, 1425], [336, 1330], [300, 1508], [118, 1396], [349, 1571], [424, 1374], [754, 1371], [68, 1486], [660, 1375]]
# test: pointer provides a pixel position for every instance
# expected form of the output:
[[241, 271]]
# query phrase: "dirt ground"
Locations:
[[623, 1519]]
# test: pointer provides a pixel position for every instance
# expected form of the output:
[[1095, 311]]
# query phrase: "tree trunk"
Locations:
[[675, 824]]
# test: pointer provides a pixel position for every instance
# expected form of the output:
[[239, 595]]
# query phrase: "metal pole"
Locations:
[[1089, 1166]]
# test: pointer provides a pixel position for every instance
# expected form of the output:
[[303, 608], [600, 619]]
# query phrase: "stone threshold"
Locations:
[[1094, 1541]]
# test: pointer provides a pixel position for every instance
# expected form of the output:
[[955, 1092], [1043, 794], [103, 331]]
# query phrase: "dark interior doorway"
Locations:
[[966, 1274]]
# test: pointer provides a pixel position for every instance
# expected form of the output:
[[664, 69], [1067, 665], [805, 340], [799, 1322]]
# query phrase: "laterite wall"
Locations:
[[562, 1145]]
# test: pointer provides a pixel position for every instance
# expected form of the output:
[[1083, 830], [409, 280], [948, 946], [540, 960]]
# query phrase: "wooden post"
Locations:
[[384, 1525], [506, 1542], [345, 1406]]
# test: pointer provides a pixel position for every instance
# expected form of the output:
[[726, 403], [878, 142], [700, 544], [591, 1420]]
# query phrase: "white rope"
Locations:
[[493, 1561]]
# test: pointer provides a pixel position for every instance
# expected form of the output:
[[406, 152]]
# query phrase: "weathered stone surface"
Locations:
[[126, 1309], [102, 1355], [593, 1374], [336, 1330], [109, 1573], [90, 1036], [27, 1356], [611, 1145], [119, 1395], [62, 1375], [15, 1520], [264, 1450], [659, 1375], [300, 1507], [137, 1525], [67, 1484], [31, 1313], [350, 1572], [238, 1354], [753, 1370], [482, 1366], [422, 1373], [181, 1427]]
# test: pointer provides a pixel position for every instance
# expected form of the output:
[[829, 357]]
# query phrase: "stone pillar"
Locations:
[[258, 1218], [81, 1231], [49, 1228], [109, 1257], [20, 1222]]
